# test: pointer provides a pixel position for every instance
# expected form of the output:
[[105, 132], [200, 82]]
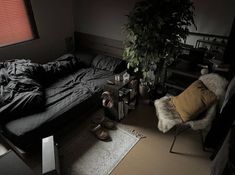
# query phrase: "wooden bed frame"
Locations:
[[97, 44]]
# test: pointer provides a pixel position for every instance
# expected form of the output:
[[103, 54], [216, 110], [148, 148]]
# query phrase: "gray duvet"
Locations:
[[61, 97], [20, 88]]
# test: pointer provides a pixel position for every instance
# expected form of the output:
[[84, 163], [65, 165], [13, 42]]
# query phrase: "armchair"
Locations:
[[168, 116]]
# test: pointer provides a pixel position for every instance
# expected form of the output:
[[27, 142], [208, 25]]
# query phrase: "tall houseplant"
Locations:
[[154, 32]]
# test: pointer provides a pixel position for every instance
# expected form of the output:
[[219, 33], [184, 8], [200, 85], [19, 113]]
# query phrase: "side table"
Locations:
[[124, 95]]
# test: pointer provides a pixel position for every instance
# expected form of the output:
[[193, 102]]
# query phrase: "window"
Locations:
[[16, 22]]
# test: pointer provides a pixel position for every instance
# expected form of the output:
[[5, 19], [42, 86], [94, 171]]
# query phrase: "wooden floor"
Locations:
[[150, 155]]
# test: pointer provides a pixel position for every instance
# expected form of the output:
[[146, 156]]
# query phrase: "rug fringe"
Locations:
[[137, 133], [132, 131]]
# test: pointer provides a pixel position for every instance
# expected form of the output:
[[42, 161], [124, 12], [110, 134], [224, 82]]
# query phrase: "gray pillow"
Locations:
[[85, 58], [62, 66], [109, 63]]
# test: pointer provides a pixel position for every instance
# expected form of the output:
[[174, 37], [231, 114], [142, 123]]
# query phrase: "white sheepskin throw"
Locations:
[[216, 84], [168, 117]]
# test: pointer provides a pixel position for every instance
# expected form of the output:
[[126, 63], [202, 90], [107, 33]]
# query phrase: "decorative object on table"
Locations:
[[107, 101], [126, 76], [117, 77], [154, 33]]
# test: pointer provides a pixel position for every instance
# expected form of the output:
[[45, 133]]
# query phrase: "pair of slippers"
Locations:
[[99, 127]]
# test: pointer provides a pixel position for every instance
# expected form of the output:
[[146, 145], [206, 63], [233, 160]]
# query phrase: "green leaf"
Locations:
[[154, 30]]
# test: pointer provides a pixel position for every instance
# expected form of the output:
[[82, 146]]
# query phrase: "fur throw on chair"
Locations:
[[168, 117]]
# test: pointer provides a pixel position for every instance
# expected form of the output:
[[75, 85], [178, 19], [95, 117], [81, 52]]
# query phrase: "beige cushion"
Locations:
[[193, 100]]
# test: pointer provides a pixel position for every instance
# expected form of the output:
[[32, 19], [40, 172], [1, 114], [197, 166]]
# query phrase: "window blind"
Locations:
[[15, 24]]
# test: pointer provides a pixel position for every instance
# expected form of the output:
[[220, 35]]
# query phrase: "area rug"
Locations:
[[88, 156]]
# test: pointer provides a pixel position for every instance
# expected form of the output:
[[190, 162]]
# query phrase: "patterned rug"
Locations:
[[89, 156]]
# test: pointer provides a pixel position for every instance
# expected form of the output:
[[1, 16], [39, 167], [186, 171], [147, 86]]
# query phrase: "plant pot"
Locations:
[[143, 91]]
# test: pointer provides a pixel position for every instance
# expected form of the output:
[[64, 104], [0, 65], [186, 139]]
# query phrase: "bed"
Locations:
[[70, 88]]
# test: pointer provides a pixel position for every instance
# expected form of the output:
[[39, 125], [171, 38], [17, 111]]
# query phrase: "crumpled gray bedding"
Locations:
[[61, 96], [20, 88], [22, 84]]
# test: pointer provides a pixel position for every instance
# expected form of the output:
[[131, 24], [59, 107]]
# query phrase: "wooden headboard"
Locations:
[[97, 44]]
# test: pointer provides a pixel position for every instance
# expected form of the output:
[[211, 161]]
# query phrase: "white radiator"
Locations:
[[50, 159]]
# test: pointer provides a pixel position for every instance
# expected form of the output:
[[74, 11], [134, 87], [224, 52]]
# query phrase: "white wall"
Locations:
[[102, 17], [106, 17], [57, 19], [54, 20], [213, 17]]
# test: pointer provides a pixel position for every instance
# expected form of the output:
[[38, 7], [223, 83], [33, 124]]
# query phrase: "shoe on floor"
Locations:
[[108, 124], [100, 132]]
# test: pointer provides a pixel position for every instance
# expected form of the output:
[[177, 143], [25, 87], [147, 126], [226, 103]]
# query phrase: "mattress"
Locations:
[[62, 96]]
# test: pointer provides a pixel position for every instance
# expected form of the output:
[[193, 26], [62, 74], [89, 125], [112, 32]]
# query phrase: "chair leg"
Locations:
[[172, 144], [202, 140], [203, 145], [178, 131], [174, 139]]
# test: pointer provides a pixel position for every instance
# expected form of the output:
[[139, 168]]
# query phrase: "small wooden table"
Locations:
[[124, 95]]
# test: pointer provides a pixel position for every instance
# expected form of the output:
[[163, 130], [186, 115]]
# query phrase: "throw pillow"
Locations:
[[193, 100], [109, 63], [85, 57], [62, 66]]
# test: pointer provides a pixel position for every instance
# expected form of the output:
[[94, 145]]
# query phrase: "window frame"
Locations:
[[33, 25]]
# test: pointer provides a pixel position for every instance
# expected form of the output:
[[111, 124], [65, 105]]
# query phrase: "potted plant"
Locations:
[[154, 33]]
